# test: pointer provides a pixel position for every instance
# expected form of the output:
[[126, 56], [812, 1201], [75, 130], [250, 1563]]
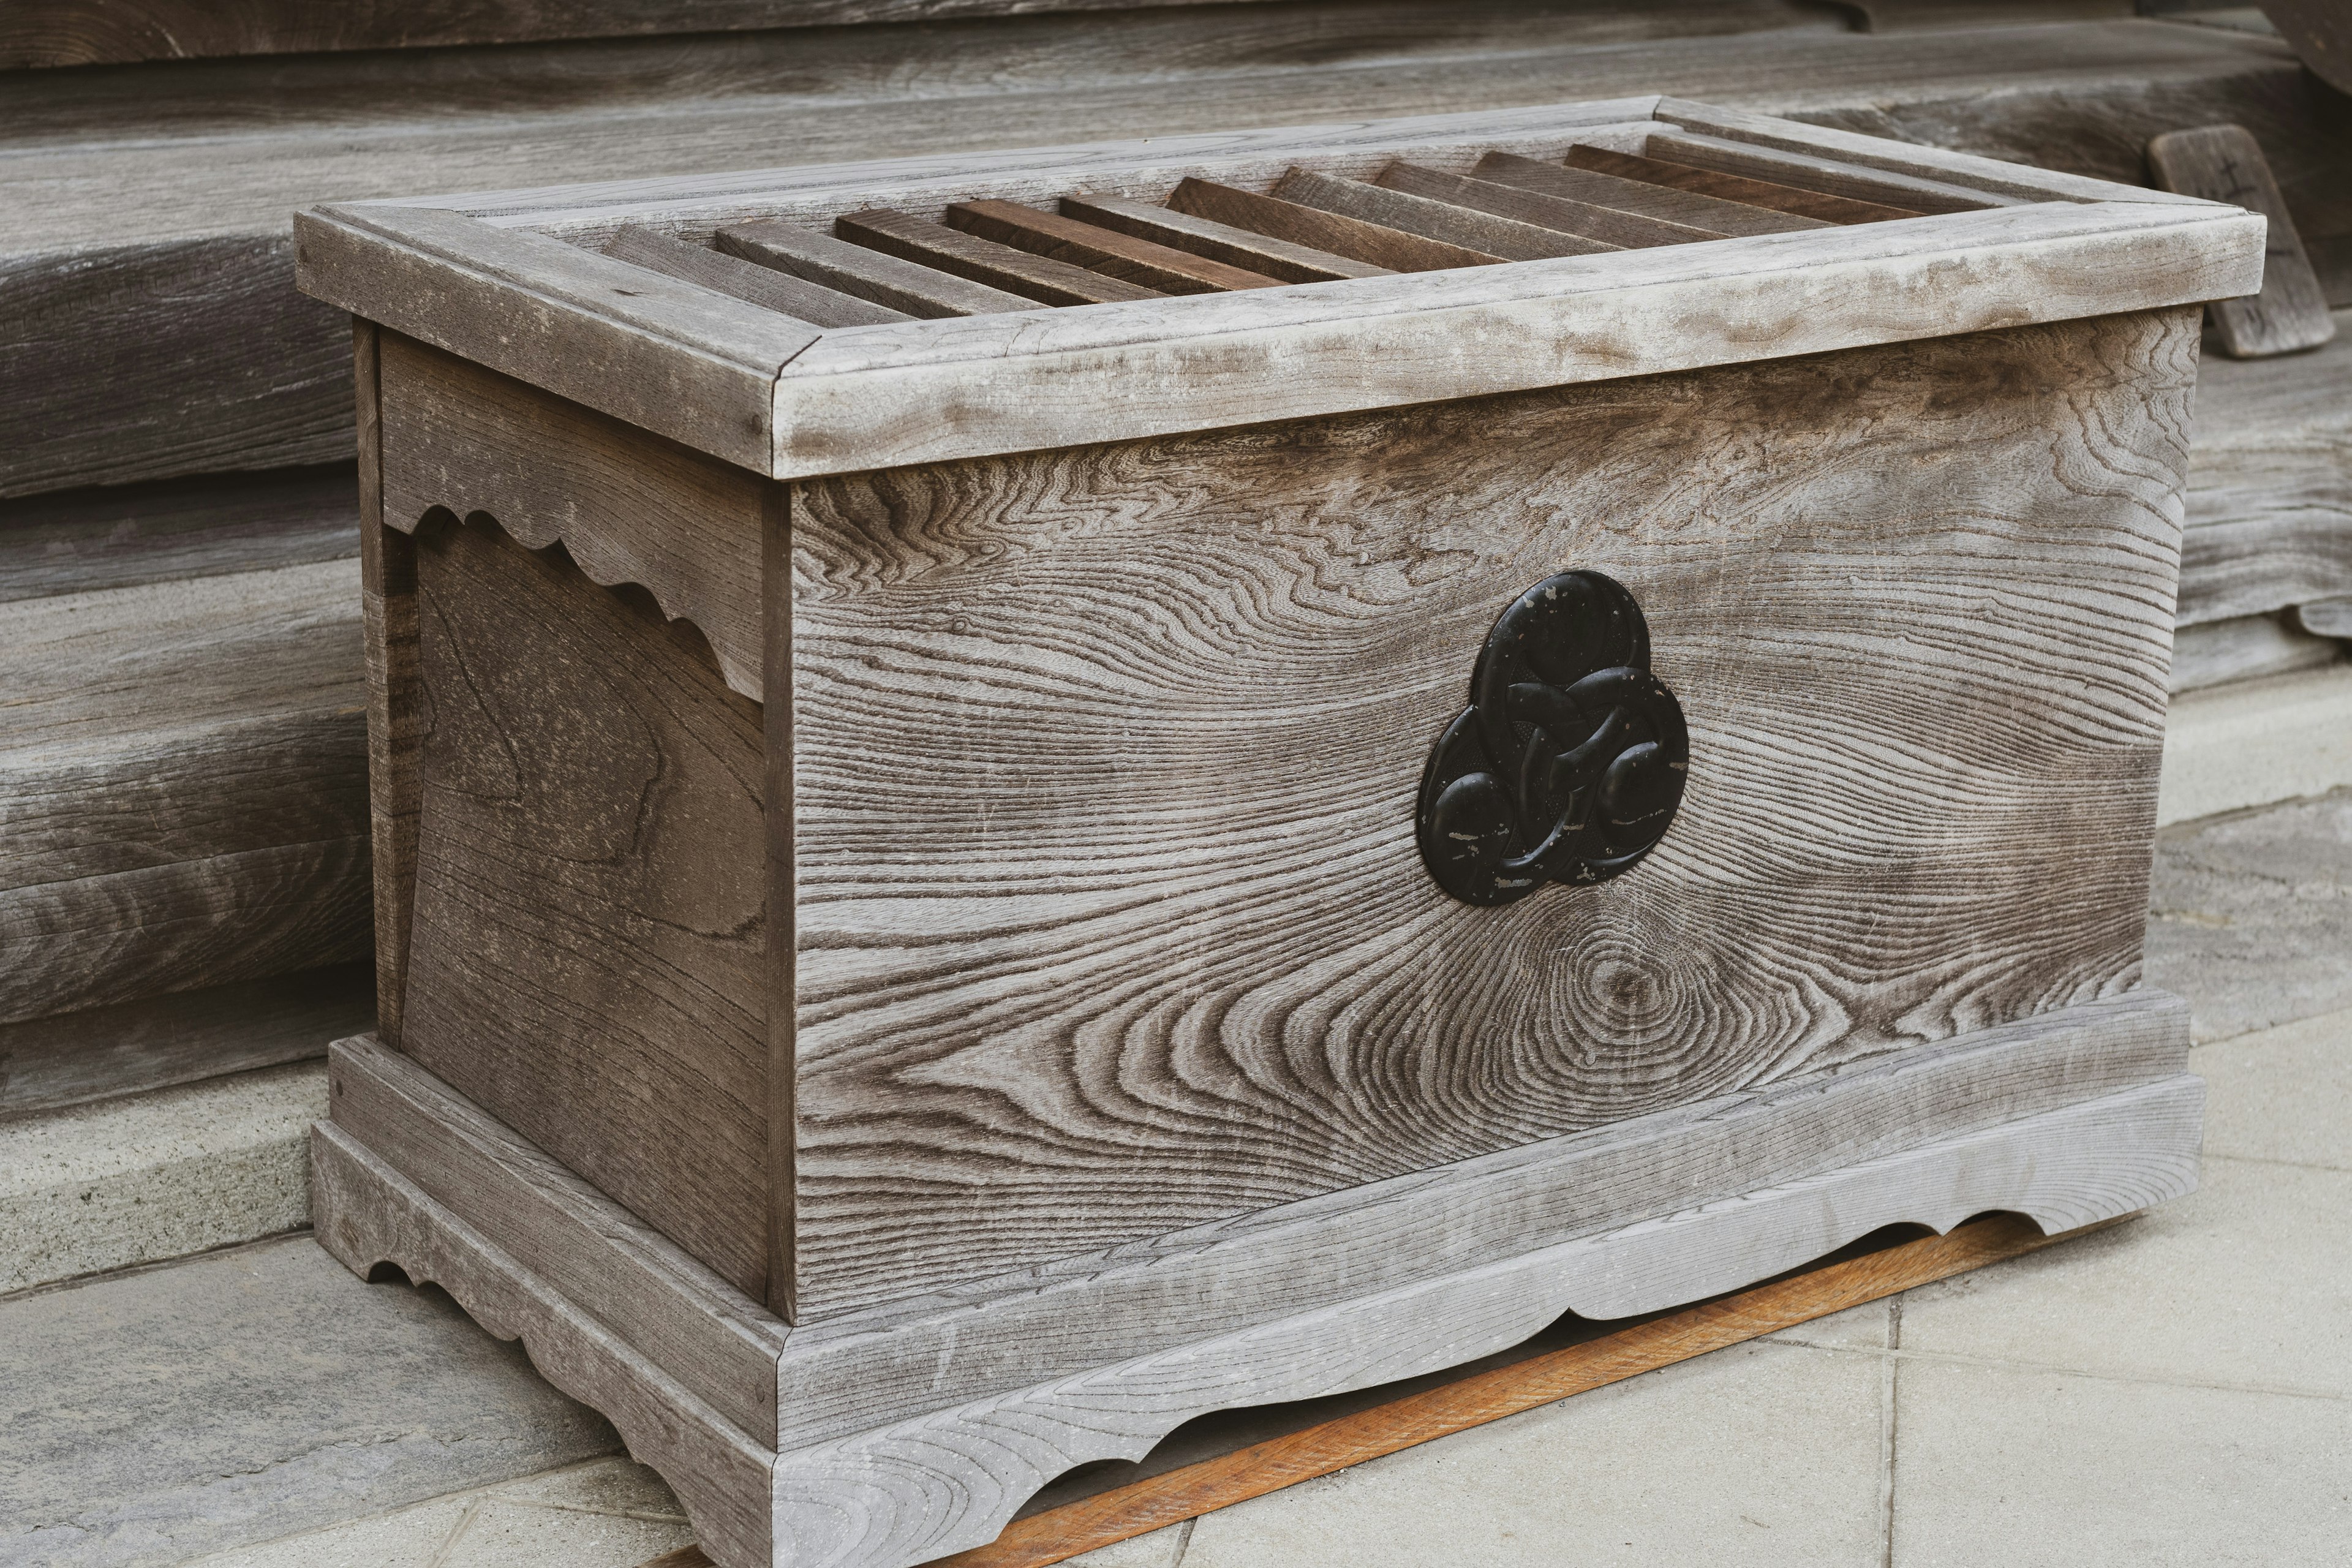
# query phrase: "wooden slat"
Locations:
[[869, 274], [388, 622], [121, 536], [984, 260], [1389, 248], [1638, 196], [1733, 187], [1442, 221], [1194, 1489], [1101, 250], [2224, 163], [1276, 258], [764, 285], [1831, 176], [1612, 226]]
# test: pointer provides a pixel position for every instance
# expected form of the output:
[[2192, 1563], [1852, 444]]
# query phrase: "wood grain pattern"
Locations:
[[1721, 185], [984, 260], [1305, 604], [366, 1213], [587, 958], [1261, 1468], [866, 273], [1218, 241], [1108, 251], [762, 286], [628, 506], [81, 541], [1711, 214], [917, 1490], [1442, 221], [782, 1170], [717, 1342], [1376, 245], [1608, 225], [2225, 163], [130, 1047], [395, 718], [1834, 176]]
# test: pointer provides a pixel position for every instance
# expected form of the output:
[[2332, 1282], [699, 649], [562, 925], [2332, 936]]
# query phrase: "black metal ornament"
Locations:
[[1568, 765]]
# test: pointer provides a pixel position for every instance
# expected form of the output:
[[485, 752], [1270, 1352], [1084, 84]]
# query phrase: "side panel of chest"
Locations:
[[1109, 915]]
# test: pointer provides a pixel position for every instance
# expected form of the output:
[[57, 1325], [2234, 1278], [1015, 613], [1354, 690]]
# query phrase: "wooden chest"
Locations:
[[1019, 798]]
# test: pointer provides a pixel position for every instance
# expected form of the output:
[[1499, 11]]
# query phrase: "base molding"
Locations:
[[913, 1482]]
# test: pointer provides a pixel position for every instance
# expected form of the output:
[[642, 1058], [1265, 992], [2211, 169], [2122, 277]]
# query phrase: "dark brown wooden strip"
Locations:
[[2225, 163], [1810, 172], [935, 245], [1733, 187], [1352, 237], [1507, 237], [1100, 249], [1630, 230], [1194, 1489], [1638, 196], [778, 291], [868, 274], [1276, 258]]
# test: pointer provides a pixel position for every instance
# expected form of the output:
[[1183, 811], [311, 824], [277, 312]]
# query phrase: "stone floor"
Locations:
[[2176, 1390]]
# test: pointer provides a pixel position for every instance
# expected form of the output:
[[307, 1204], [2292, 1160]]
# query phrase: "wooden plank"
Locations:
[[1688, 207], [628, 506], [1218, 241], [1437, 220], [587, 960], [130, 1047], [1724, 187], [2326, 618], [1461, 1404], [1378, 245], [762, 286], [2224, 163], [1833, 176], [984, 260], [1108, 251], [120, 537], [718, 1342], [1610, 225], [583, 326], [1179, 894], [866, 273], [779, 955], [2247, 647], [1157, 367], [396, 717]]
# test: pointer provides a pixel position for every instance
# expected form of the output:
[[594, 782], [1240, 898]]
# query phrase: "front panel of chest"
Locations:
[[1112, 911]]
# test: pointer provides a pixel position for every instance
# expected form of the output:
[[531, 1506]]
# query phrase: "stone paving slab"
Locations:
[[249, 1394]]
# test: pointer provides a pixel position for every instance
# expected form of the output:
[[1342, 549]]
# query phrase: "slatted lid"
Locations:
[[837, 319]]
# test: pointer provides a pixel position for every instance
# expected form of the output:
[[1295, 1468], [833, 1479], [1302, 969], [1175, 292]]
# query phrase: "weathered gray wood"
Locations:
[[70, 1058], [395, 717], [588, 960], [1470, 229], [1716, 186], [2325, 618], [149, 216], [629, 507], [1159, 367], [1833, 176], [984, 260], [596, 331], [1138, 1061], [1218, 241], [762, 286], [1108, 251], [1380, 246], [81, 541], [1610, 225], [182, 786], [867, 273], [708, 1335], [367, 1213], [2224, 163], [2246, 647], [2270, 484], [1710, 214], [778, 960]]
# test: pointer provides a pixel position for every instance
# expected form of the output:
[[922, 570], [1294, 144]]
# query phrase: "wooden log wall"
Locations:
[[183, 772]]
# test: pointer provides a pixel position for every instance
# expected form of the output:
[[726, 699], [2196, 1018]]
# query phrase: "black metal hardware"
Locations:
[[1569, 763]]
